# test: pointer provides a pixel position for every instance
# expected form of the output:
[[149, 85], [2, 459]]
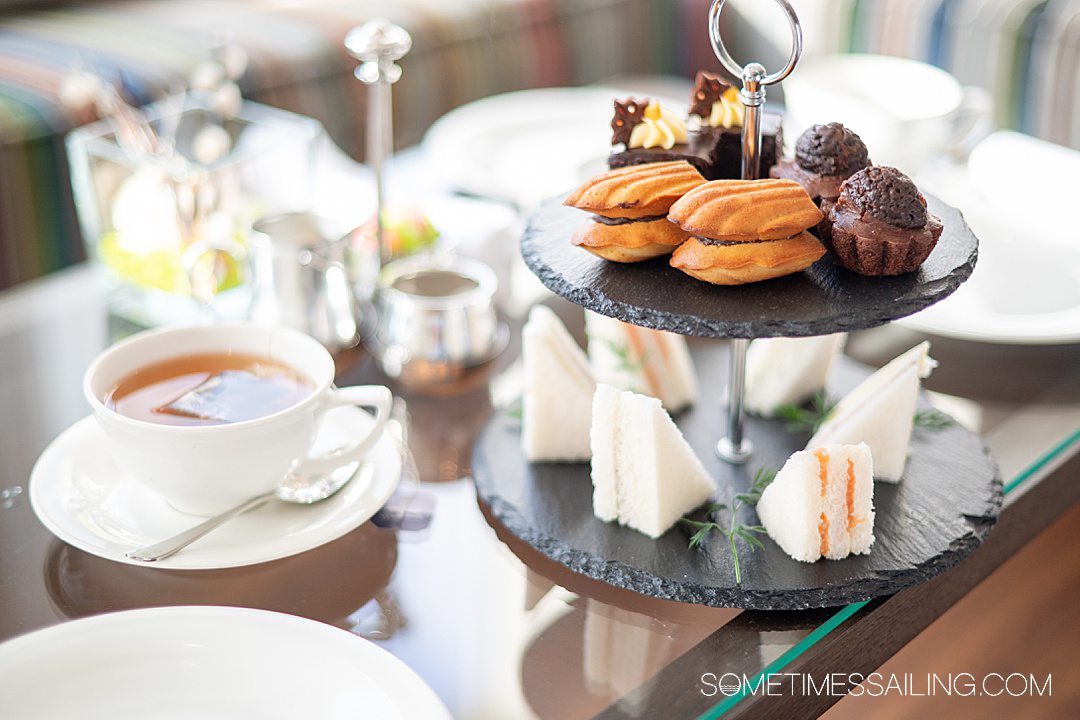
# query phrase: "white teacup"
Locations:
[[909, 113], [206, 469]]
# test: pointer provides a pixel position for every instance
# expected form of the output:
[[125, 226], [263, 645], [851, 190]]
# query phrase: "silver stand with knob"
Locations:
[[735, 448], [379, 44]]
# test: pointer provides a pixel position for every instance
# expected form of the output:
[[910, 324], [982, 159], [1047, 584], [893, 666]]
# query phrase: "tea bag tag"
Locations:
[[229, 396]]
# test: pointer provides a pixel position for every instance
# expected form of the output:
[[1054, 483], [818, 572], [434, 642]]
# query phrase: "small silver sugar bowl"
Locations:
[[437, 319]]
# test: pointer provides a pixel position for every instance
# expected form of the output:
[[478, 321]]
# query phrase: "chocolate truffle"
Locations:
[[888, 194], [879, 225], [825, 156]]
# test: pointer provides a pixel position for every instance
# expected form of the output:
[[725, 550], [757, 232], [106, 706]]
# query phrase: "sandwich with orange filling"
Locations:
[[821, 503]]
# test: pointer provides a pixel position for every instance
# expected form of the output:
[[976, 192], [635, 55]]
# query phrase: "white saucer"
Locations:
[[1014, 296], [83, 498], [1026, 286], [206, 663]]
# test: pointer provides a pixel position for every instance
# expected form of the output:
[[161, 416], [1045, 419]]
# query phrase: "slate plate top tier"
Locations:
[[824, 299], [936, 516]]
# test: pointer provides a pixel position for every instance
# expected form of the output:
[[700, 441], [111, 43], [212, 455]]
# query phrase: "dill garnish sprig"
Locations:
[[807, 419], [629, 361], [932, 419], [515, 409], [735, 530]]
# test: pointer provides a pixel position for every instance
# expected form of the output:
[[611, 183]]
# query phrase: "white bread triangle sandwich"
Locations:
[[559, 387], [644, 473], [649, 362], [880, 412], [787, 371], [821, 503]]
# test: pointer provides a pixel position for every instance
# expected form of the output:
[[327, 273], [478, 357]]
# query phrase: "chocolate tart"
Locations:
[[880, 225]]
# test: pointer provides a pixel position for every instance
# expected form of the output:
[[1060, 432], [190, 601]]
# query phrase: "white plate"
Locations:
[[974, 314], [523, 147], [83, 498], [206, 663], [1025, 289]]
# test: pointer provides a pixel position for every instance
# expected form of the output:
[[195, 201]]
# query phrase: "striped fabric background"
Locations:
[[1026, 51], [462, 50]]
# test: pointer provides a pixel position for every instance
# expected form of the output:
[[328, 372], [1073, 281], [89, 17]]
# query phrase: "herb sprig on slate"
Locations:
[[734, 530], [802, 419], [932, 419], [806, 419]]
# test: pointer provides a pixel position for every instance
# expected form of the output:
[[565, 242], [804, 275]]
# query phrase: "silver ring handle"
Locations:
[[738, 70]]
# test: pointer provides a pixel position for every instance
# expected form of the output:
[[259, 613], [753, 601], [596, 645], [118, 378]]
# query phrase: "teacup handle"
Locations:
[[973, 122], [376, 397]]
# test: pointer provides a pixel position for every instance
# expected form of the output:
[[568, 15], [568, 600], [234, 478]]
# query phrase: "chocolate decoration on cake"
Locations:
[[888, 194], [628, 113], [708, 89]]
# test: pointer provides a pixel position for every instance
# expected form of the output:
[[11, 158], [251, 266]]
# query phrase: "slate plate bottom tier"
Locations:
[[936, 516]]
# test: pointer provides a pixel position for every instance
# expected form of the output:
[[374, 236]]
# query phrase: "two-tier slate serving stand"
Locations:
[[942, 509]]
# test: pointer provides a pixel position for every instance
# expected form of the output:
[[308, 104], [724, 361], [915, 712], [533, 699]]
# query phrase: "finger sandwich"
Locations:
[[644, 473], [880, 412], [787, 371], [650, 362], [821, 503], [559, 387]]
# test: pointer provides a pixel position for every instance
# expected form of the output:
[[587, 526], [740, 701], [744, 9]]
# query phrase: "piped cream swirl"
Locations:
[[659, 128], [727, 112]]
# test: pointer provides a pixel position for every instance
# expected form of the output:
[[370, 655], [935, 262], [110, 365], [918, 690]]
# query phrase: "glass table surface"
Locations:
[[495, 628]]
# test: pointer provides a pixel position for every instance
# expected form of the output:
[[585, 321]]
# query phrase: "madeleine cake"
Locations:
[[629, 209], [746, 230]]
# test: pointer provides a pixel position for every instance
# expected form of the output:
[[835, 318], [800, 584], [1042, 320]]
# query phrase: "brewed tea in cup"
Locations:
[[209, 417], [209, 389]]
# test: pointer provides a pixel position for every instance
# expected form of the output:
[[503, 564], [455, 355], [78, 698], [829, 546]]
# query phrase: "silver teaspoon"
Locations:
[[300, 489]]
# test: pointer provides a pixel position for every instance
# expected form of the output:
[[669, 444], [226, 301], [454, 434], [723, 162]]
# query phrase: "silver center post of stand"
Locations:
[[735, 448], [379, 44]]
